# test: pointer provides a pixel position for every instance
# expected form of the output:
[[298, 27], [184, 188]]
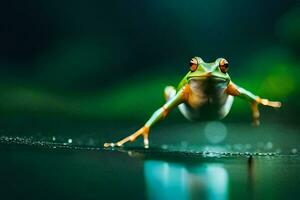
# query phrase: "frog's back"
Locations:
[[207, 99]]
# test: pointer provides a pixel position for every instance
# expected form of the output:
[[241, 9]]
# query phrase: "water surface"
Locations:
[[182, 162]]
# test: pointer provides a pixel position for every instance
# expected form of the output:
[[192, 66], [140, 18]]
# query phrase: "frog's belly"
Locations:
[[207, 100]]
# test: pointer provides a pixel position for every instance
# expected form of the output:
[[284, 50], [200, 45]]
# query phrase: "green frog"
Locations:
[[205, 93]]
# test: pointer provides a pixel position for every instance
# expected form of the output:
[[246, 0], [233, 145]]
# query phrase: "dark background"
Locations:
[[112, 60]]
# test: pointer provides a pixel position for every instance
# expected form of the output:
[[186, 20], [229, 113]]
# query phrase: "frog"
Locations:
[[206, 92]]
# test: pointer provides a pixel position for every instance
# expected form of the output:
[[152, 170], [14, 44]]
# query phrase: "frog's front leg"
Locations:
[[173, 100], [235, 90]]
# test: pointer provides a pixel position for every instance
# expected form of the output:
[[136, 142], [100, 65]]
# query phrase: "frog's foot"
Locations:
[[255, 113], [266, 102], [169, 92], [142, 131]]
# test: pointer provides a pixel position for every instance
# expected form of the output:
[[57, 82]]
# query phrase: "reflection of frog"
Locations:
[[207, 88]]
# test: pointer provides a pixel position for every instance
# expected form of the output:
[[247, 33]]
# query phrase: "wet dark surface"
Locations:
[[182, 163]]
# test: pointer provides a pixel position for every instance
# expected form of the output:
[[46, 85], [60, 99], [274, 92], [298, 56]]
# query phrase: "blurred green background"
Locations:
[[76, 74], [110, 61]]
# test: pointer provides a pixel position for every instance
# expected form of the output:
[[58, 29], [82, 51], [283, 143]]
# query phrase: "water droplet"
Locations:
[[215, 132], [294, 150], [269, 145], [70, 140], [53, 138], [278, 151]]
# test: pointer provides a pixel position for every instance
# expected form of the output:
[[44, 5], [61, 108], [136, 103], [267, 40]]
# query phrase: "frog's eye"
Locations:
[[223, 65], [193, 64]]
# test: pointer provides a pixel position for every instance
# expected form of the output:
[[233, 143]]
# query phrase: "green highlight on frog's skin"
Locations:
[[206, 87]]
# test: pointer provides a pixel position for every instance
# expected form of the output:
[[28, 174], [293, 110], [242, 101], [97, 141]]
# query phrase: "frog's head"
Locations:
[[216, 70]]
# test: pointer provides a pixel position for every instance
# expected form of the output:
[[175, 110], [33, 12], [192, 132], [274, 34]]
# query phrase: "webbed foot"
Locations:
[[142, 131], [267, 102]]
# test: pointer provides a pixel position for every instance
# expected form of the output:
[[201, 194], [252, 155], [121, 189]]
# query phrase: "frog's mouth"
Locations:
[[207, 77]]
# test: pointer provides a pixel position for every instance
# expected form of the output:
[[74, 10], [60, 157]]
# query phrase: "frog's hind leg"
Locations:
[[169, 92], [142, 131], [173, 99]]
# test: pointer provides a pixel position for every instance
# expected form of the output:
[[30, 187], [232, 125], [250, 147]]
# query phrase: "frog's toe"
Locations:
[[275, 104], [256, 122], [266, 102], [107, 145]]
